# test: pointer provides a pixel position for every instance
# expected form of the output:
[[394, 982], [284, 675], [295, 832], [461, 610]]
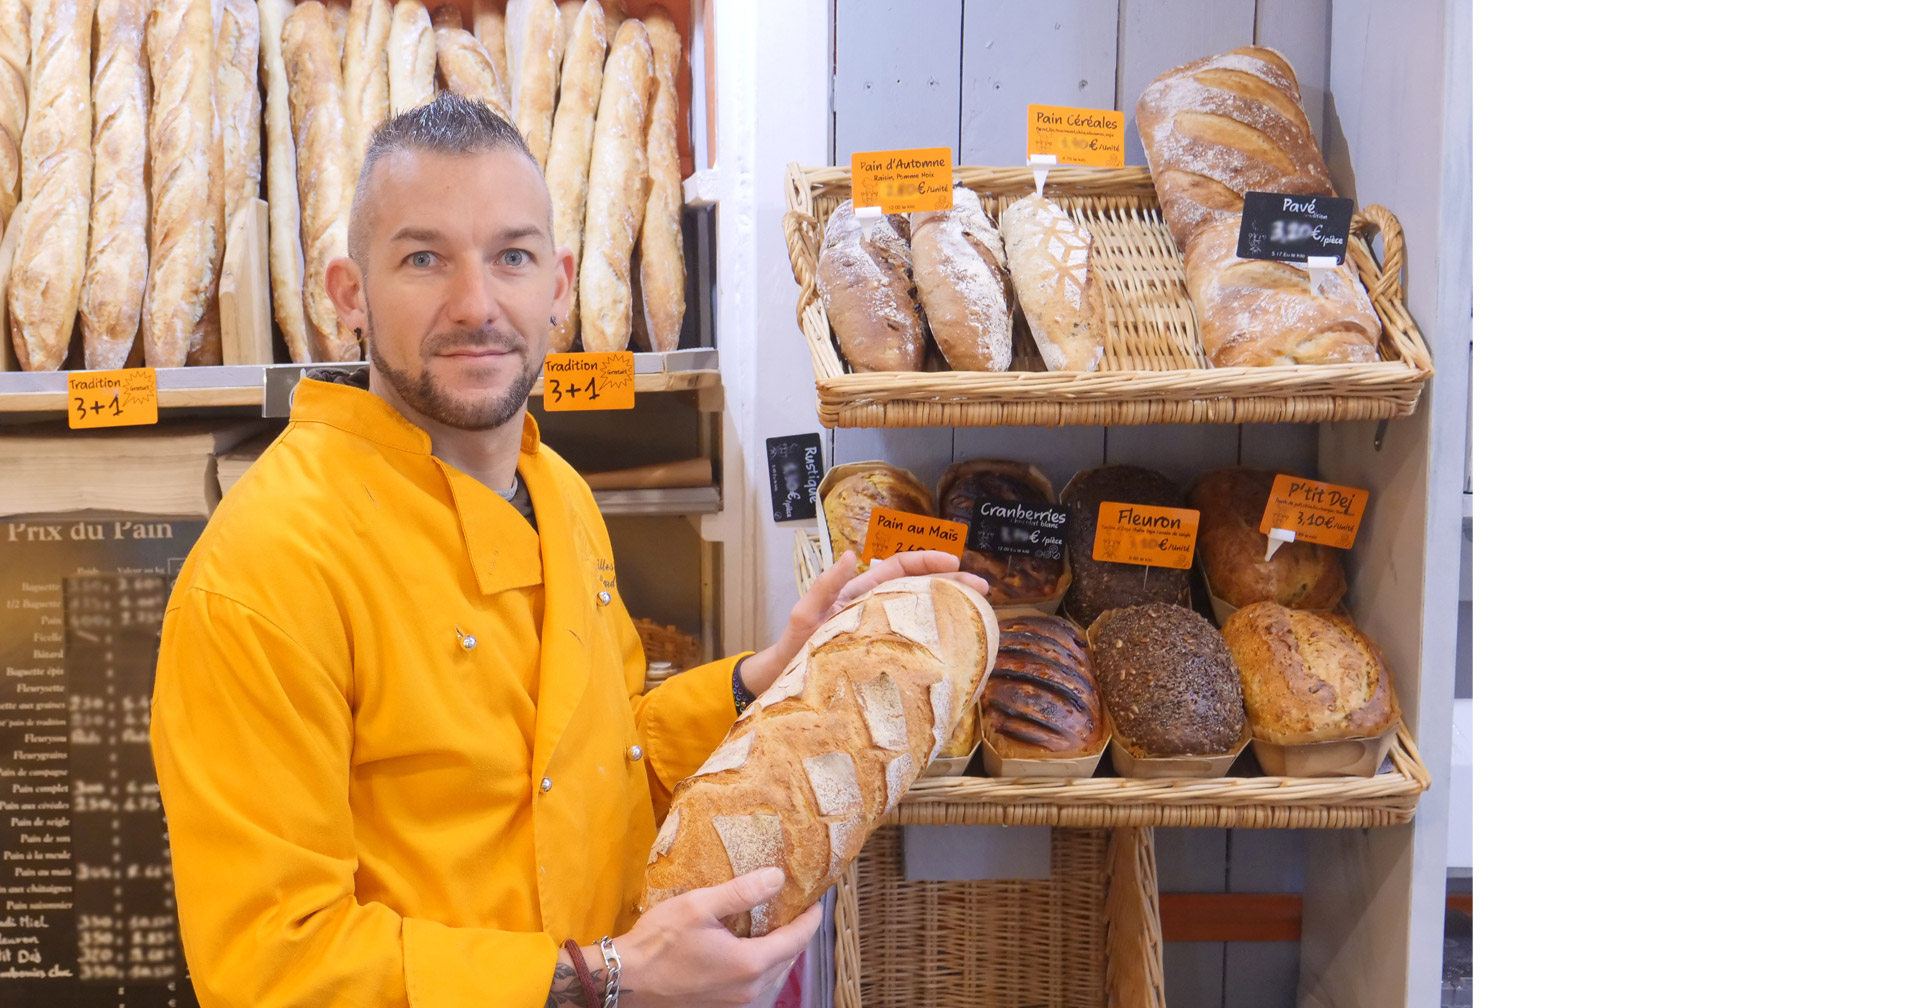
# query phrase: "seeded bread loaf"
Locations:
[[1040, 701], [866, 285], [960, 267], [817, 760], [1233, 550], [1050, 257], [1012, 578], [1097, 585], [848, 504], [1309, 676], [1168, 681]]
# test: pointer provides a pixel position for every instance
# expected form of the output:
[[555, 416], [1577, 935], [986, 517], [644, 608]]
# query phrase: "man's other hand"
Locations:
[[680, 953], [831, 592]]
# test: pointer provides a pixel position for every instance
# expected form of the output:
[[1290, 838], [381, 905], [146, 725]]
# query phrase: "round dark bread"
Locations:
[[1168, 680], [1097, 586]]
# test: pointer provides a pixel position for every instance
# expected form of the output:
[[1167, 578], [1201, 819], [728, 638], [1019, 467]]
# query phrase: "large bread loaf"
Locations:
[[56, 184], [663, 267], [1050, 256], [960, 266], [1040, 701], [534, 47], [1309, 676], [617, 186], [365, 77], [286, 257], [116, 280], [1215, 129], [580, 73], [1012, 578], [813, 765], [848, 504], [410, 57], [320, 159], [866, 285], [1168, 681], [469, 71], [1098, 585], [1233, 550]]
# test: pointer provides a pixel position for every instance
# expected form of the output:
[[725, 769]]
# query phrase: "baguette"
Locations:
[[364, 76], [490, 30], [237, 95], [663, 267], [286, 259], [580, 74], [866, 284], [185, 186], [468, 71], [339, 13], [1061, 296], [534, 44], [616, 193], [43, 288], [410, 58], [14, 27], [320, 159], [960, 267], [812, 766], [115, 285]]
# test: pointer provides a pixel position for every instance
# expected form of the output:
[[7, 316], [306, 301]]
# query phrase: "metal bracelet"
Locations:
[[612, 956]]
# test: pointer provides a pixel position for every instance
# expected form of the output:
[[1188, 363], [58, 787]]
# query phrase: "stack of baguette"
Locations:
[[128, 144], [591, 91], [952, 274]]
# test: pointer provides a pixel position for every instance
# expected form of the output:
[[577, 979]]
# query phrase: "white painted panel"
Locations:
[[1058, 452], [896, 77], [1195, 972], [1261, 974], [1158, 35], [1290, 448], [924, 451], [1300, 30], [1178, 451], [1192, 859], [1018, 52]]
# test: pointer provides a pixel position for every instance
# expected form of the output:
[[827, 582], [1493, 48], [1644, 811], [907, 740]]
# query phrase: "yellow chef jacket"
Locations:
[[399, 733]]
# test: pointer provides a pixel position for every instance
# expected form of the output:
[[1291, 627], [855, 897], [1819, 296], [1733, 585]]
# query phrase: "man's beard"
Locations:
[[419, 391]]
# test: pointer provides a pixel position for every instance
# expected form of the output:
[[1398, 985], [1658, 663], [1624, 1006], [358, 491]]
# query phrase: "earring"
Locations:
[[356, 333], [552, 321]]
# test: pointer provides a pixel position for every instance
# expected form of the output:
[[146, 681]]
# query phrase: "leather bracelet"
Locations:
[[586, 976], [612, 955]]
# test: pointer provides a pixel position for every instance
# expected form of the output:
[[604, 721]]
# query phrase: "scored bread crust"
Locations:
[[410, 57], [534, 46], [1051, 258], [813, 765], [663, 267], [849, 503], [464, 63], [114, 290], [1309, 676], [960, 266], [286, 257], [1040, 701], [581, 71], [56, 183], [364, 76], [313, 90], [617, 186], [866, 286], [15, 28]]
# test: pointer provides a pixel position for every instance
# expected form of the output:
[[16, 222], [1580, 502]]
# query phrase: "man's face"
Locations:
[[460, 278]]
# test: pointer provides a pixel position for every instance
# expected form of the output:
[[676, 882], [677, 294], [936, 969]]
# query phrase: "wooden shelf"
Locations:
[[671, 501], [247, 384]]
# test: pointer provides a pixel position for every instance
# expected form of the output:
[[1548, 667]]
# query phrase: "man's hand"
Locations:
[[681, 954], [831, 591]]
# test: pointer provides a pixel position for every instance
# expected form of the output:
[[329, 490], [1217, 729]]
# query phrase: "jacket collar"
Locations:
[[503, 550]]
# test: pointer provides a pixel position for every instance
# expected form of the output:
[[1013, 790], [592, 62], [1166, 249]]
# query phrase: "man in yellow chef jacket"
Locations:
[[398, 720]]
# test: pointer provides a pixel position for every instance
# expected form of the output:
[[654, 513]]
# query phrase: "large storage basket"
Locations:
[[1154, 370], [1087, 937]]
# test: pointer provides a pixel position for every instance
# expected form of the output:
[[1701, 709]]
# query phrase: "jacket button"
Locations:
[[605, 598], [546, 784], [633, 753], [468, 643]]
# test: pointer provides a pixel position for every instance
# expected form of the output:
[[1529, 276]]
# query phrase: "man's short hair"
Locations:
[[449, 124]]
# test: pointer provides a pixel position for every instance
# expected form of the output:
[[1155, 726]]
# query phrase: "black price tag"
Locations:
[[1287, 228], [1035, 530], [794, 468]]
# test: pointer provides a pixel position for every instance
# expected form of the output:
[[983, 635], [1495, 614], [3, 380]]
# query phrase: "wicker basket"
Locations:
[[1087, 937], [1154, 370], [1384, 799]]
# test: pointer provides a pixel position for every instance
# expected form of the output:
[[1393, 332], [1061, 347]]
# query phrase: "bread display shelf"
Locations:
[[1154, 370], [246, 384], [662, 501], [1385, 799]]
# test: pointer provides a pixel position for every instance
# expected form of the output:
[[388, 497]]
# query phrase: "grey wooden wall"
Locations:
[[964, 80]]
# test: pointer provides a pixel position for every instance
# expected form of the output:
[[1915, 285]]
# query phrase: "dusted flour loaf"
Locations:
[[849, 503], [1012, 578], [866, 285], [1233, 550], [1098, 586], [1049, 254], [960, 268], [1168, 681], [1309, 676], [813, 765], [1040, 701]]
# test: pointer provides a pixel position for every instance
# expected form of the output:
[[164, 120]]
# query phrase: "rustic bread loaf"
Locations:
[[965, 734], [56, 185], [617, 185], [581, 69], [1233, 550], [1012, 578], [465, 65], [960, 267], [410, 57], [1258, 313], [1168, 681], [490, 30], [849, 503], [814, 763], [115, 286], [15, 31], [1221, 125], [286, 257], [663, 267], [320, 162], [1040, 701], [365, 76], [866, 285], [1309, 676], [534, 46], [1098, 585], [1061, 295]]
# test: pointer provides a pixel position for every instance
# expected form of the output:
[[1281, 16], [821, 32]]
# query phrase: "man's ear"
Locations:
[[563, 281], [346, 287]]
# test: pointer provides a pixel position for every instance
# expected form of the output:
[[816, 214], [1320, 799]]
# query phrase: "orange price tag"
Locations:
[[1143, 534], [1077, 136], [890, 532], [588, 381], [1314, 512], [904, 181], [125, 398]]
